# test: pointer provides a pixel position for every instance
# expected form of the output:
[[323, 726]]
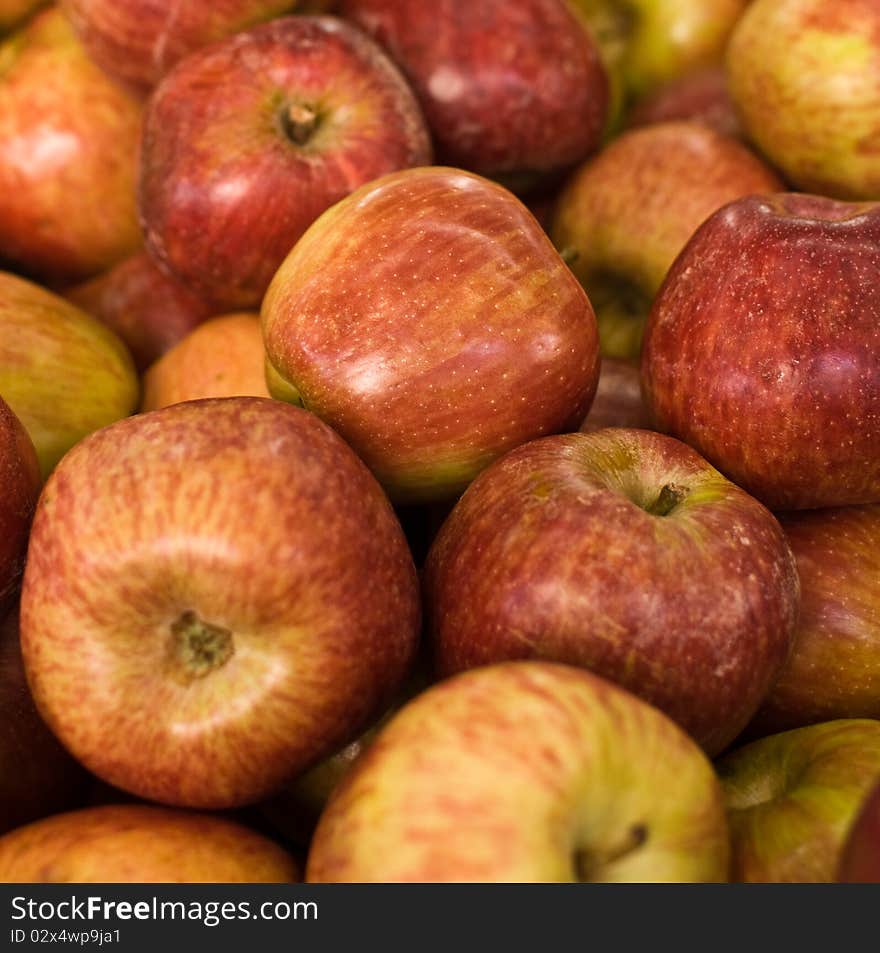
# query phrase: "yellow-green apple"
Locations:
[[860, 856], [147, 308], [804, 76], [618, 401], [140, 843], [429, 320], [834, 667], [792, 798], [525, 771], [626, 553], [217, 595], [63, 373], [762, 349], [13, 12], [222, 357], [625, 215], [68, 156], [514, 91], [248, 140], [138, 41]]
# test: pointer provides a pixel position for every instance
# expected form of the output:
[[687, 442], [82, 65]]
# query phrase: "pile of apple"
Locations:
[[440, 441]]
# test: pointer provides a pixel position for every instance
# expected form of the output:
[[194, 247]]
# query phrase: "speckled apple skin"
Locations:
[[224, 193], [430, 321], [503, 774], [68, 156], [860, 856], [550, 554], [134, 843], [256, 516], [762, 349]]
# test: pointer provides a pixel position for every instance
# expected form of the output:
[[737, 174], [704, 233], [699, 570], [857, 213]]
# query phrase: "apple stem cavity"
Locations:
[[589, 864], [299, 122], [667, 500], [198, 647]]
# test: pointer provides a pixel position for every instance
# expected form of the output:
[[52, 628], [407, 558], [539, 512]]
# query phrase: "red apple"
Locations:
[[217, 595], [860, 856], [510, 90], [624, 552], [618, 401], [68, 156], [429, 320], [762, 350], [247, 141]]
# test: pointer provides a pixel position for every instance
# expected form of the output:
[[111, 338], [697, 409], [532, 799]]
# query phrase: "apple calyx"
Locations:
[[299, 122], [670, 496], [589, 863], [198, 647]]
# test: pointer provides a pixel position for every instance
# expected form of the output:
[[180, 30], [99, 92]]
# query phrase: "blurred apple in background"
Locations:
[[429, 320], [63, 373], [134, 843], [514, 91], [68, 156], [618, 401], [247, 141], [792, 798], [860, 857], [524, 772], [13, 12], [804, 76], [762, 350], [217, 596]]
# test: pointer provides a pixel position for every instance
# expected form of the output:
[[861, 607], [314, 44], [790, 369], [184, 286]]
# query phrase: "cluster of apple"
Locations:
[[440, 441]]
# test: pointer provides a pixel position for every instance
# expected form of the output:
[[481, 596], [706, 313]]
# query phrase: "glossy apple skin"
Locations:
[[618, 401], [68, 146], [147, 308], [225, 191], [138, 41], [762, 349], [524, 772], [62, 372], [429, 320], [804, 76], [254, 516], [511, 90], [625, 215], [139, 843], [860, 857], [554, 553], [793, 796], [13, 12]]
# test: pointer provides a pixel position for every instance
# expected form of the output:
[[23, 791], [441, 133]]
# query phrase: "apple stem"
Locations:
[[667, 500], [589, 863], [299, 123], [198, 647]]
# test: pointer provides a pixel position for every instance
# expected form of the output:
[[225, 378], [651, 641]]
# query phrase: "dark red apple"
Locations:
[[624, 552], [860, 856], [247, 141], [762, 350], [510, 90], [618, 401]]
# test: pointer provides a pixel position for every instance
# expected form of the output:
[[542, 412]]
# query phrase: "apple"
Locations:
[[762, 350], [524, 772], [514, 91], [13, 12], [625, 215], [68, 156], [804, 76], [623, 552], [247, 141], [222, 357], [618, 401], [148, 309], [217, 596], [140, 843], [138, 41], [62, 372], [429, 320], [860, 857], [792, 798]]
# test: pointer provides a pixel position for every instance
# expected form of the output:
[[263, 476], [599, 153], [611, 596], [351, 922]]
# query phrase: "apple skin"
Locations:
[[691, 609], [429, 320], [860, 856], [625, 215], [217, 595], [834, 667], [13, 12], [525, 772], [792, 797], [514, 91], [804, 76], [62, 372], [226, 189], [618, 401], [762, 349], [68, 146], [139, 843], [148, 309]]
